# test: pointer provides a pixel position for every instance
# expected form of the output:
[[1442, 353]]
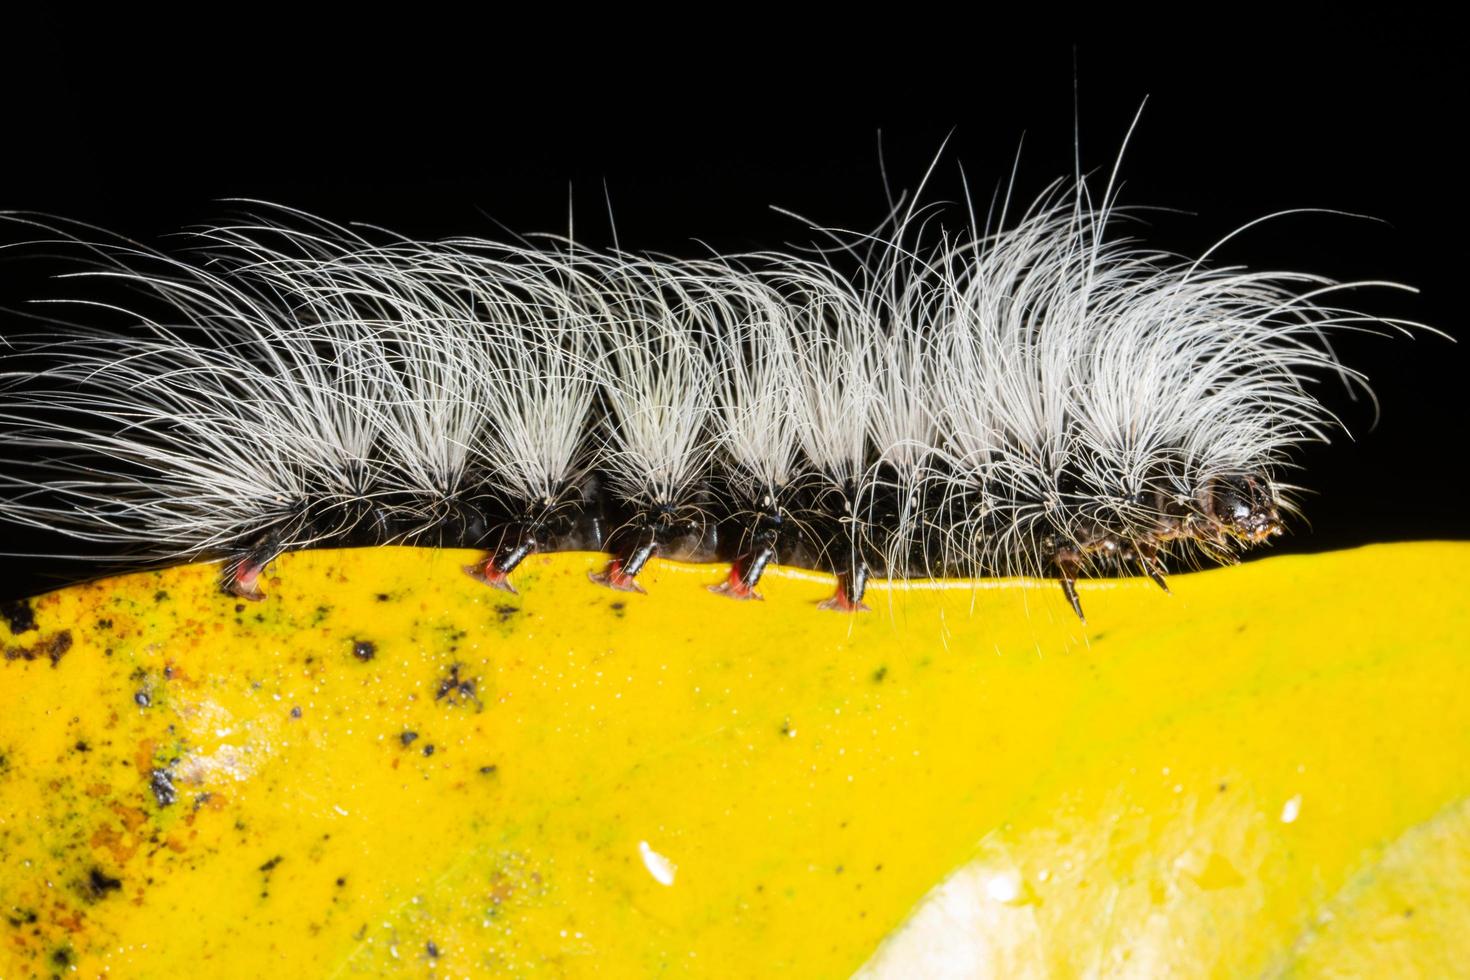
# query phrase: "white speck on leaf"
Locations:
[[660, 867]]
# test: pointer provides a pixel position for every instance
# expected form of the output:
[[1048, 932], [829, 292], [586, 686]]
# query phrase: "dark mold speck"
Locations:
[[270, 865], [22, 917], [53, 648], [429, 749], [618, 608], [364, 650], [407, 738], [19, 615], [296, 711], [879, 674], [161, 781], [455, 689]]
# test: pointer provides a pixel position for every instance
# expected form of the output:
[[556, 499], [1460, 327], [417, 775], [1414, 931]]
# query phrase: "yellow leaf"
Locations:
[[387, 767]]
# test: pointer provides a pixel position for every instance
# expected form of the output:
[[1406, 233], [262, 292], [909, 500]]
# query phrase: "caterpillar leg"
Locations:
[[494, 570], [242, 575], [622, 572], [489, 572], [747, 570], [616, 576], [851, 584]]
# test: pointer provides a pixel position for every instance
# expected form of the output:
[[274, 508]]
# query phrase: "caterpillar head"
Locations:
[[1244, 507]]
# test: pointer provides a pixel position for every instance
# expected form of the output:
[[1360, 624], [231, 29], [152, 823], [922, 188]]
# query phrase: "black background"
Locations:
[[693, 131]]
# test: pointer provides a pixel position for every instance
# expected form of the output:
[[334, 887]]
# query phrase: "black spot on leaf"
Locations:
[[100, 884]]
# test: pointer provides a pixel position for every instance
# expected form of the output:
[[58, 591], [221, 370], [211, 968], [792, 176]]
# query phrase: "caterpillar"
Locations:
[[1032, 396]]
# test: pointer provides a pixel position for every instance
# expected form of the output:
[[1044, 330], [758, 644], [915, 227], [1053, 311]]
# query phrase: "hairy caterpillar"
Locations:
[[1035, 398]]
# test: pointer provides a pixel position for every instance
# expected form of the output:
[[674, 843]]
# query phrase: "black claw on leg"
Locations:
[[1069, 562], [1069, 589], [1153, 571], [642, 551], [1147, 556]]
